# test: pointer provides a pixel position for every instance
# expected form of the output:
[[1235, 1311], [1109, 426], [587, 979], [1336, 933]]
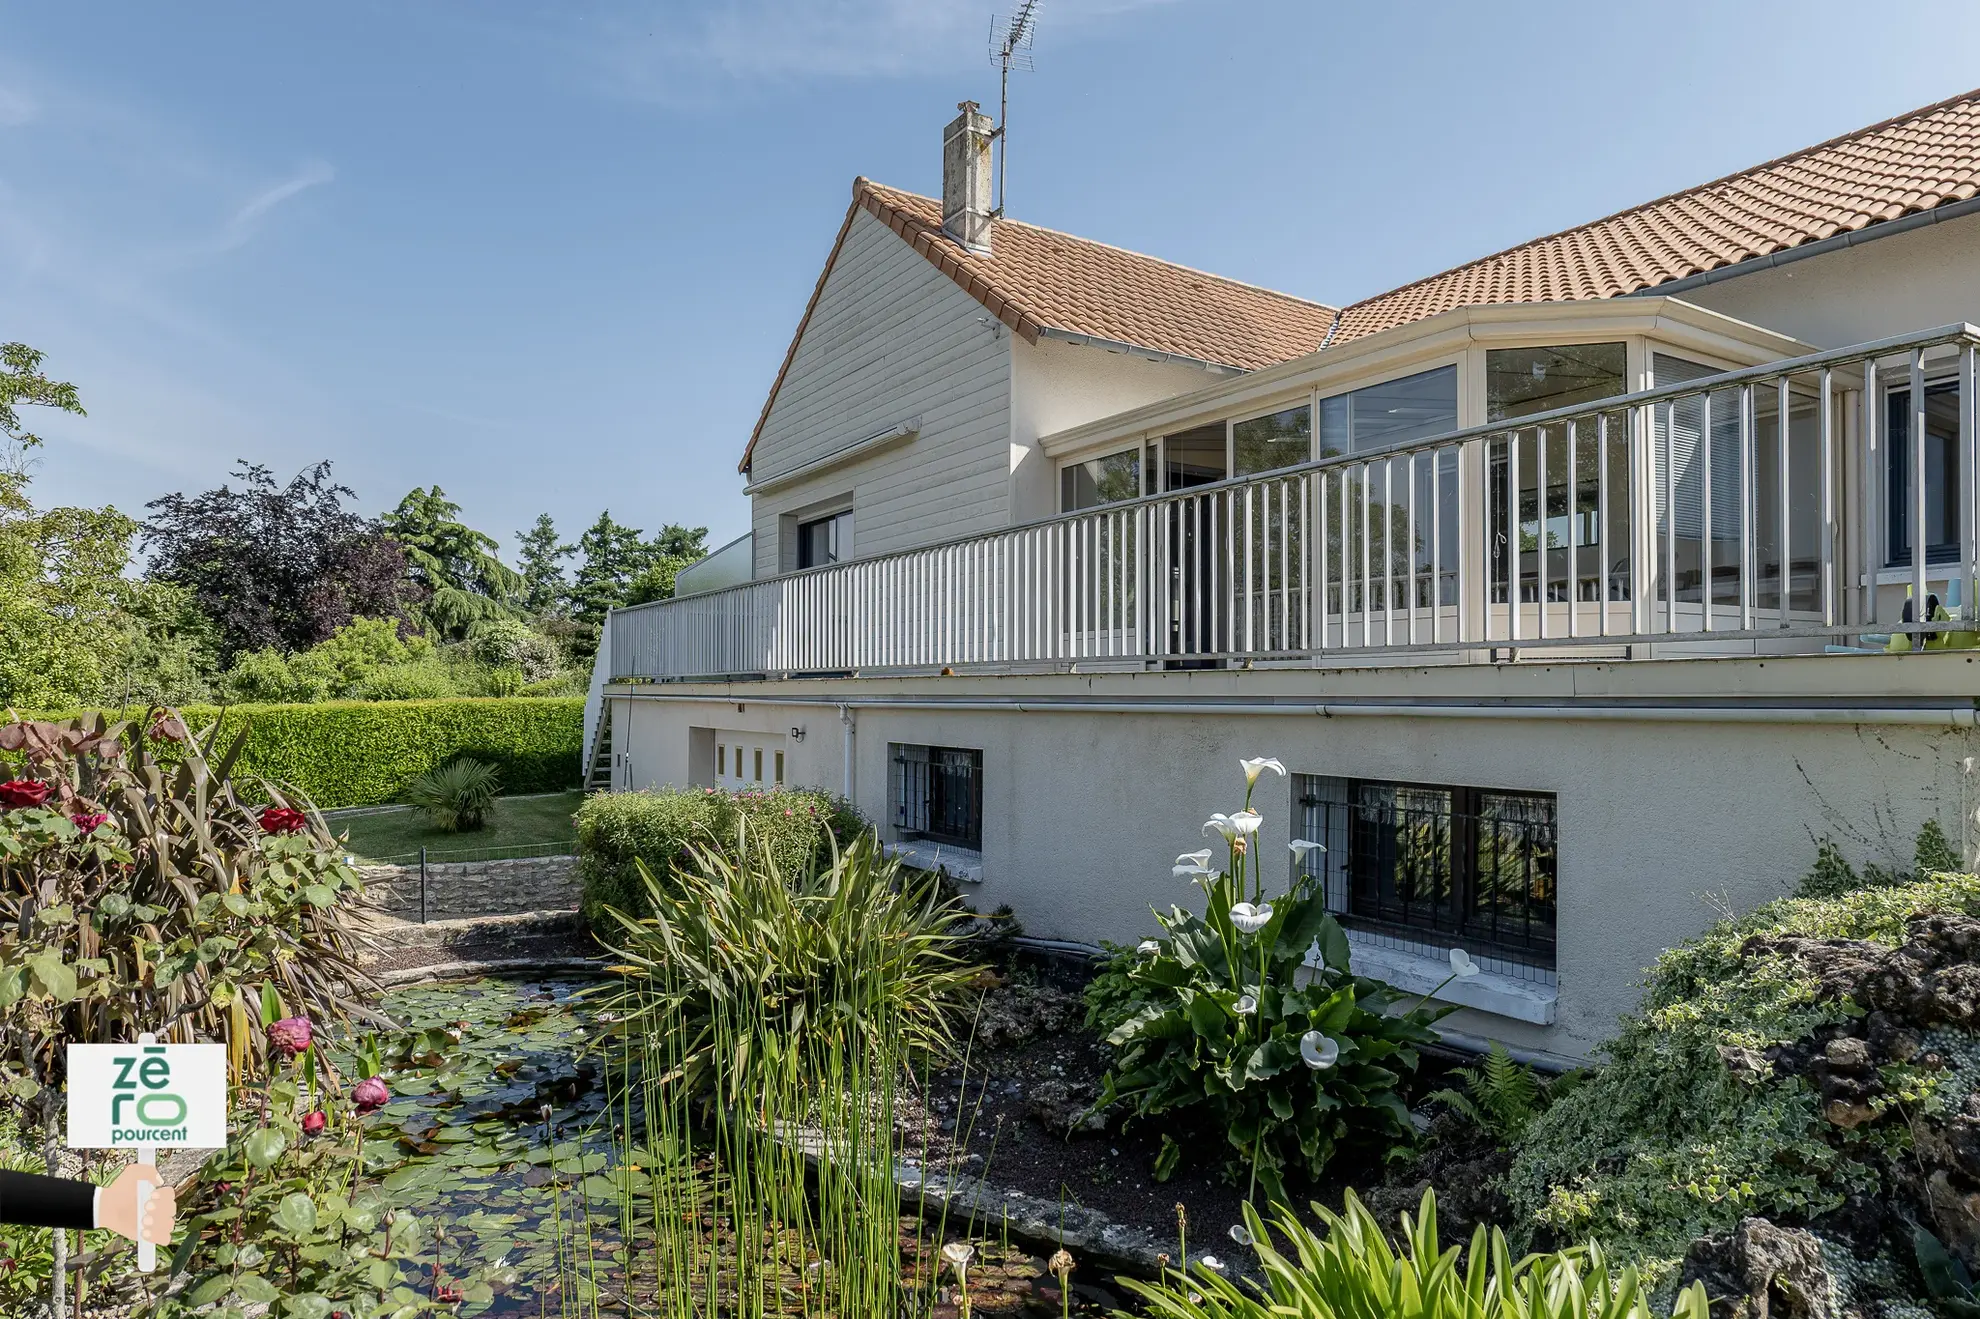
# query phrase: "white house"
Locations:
[[1568, 642]]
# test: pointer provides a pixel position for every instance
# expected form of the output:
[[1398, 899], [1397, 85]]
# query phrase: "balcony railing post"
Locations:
[[1917, 501], [1969, 473], [1870, 505]]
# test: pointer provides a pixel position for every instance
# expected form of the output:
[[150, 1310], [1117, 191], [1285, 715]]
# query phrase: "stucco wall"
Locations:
[[891, 339], [1909, 281], [1056, 385], [1663, 825]]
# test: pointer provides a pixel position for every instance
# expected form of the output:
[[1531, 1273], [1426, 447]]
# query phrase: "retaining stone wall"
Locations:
[[474, 888]]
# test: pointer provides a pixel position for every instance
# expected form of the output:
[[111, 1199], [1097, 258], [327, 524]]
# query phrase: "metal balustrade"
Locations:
[[1685, 513]]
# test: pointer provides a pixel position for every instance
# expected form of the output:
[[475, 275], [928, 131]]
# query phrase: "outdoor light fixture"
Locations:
[[797, 735]]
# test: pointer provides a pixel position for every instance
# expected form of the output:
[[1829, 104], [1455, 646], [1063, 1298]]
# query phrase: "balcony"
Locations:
[[1793, 507]]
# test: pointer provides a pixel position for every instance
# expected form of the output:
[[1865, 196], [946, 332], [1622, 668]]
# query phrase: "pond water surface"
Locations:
[[501, 1136]]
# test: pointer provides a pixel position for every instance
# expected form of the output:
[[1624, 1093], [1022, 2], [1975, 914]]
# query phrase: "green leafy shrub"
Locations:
[[1223, 1020], [1352, 1272], [1832, 875], [618, 830], [1671, 1140], [1501, 1097], [457, 796], [809, 949], [347, 753]]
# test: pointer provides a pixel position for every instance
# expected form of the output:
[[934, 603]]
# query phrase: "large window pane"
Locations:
[[1522, 381], [1941, 473], [1280, 439], [1393, 413], [1097, 481]]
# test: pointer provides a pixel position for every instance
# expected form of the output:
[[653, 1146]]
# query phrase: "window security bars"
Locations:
[[1668, 514], [938, 795], [1457, 866]]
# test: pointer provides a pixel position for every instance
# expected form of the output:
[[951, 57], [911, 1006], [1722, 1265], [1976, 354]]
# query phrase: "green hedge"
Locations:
[[364, 753], [616, 829]]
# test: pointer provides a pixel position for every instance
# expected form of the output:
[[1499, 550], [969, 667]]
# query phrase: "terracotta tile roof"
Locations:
[[1037, 279], [1919, 160]]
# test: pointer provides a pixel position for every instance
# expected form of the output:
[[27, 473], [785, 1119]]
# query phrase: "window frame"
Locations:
[[1143, 472], [910, 822], [832, 520], [1890, 558], [1454, 363], [1462, 920]]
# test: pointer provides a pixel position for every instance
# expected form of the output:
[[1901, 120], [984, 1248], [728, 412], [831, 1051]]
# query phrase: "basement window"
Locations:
[[938, 794], [1437, 864]]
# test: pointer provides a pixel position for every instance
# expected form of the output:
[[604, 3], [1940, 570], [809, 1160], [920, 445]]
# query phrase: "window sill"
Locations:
[[959, 863], [1500, 995]]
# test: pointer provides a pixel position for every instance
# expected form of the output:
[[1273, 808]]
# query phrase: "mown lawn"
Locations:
[[516, 822]]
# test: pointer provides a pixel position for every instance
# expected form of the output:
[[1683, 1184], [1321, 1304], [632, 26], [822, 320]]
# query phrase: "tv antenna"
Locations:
[[1011, 50]]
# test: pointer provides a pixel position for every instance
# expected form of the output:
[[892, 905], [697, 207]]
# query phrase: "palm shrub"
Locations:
[[457, 796], [1223, 1019], [812, 949], [1352, 1272]]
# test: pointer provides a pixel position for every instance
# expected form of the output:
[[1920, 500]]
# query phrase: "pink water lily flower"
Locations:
[[289, 1036], [370, 1095]]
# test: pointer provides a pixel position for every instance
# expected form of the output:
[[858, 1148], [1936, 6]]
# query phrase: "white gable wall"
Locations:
[[1056, 385], [1898, 284], [891, 338]]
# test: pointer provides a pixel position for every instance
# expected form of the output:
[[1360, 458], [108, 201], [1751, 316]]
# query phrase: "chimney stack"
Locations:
[[966, 179]]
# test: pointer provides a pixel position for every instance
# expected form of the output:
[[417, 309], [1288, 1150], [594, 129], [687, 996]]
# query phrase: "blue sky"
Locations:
[[549, 255]]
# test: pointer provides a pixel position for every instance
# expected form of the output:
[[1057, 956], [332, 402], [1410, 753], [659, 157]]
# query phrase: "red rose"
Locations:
[[289, 1036], [283, 820], [89, 821], [19, 794], [313, 1123], [370, 1095]]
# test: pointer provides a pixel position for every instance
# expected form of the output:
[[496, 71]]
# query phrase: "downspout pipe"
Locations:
[[846, 722]]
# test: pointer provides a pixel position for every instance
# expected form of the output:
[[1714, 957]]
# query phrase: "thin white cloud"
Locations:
[[241, 225]]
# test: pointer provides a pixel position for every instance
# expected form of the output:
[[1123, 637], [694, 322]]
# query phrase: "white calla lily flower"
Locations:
[[1241, 1234], [1245, 1006], [1212, 1262], [1199, 859], [1461, 964], [1318, 1051], [1148, 948], [1243, 824], [1253, 768], [1299, 847], [1250, 919]]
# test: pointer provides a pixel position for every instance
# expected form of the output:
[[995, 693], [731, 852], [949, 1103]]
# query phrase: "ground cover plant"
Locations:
[[1815, 1064], [1220, 1020]]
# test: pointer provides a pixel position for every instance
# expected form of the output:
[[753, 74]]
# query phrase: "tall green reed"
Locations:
[[769, 1022]]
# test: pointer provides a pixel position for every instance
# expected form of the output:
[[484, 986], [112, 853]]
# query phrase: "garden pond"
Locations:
[[503, 1136]]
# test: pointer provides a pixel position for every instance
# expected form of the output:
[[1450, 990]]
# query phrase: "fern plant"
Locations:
[[1500, 1096], [457, 796], [1351, 1272]]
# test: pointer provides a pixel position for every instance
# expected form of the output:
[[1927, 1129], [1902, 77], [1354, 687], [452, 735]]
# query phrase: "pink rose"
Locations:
[[370, 1095], [289, 1036], [313, 1123]]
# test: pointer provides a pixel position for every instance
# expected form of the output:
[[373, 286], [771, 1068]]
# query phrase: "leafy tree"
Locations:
[[344, 665], [544, 586], [458, 568], [277, 566], [23, 385], [66, 607], [619, 568]]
